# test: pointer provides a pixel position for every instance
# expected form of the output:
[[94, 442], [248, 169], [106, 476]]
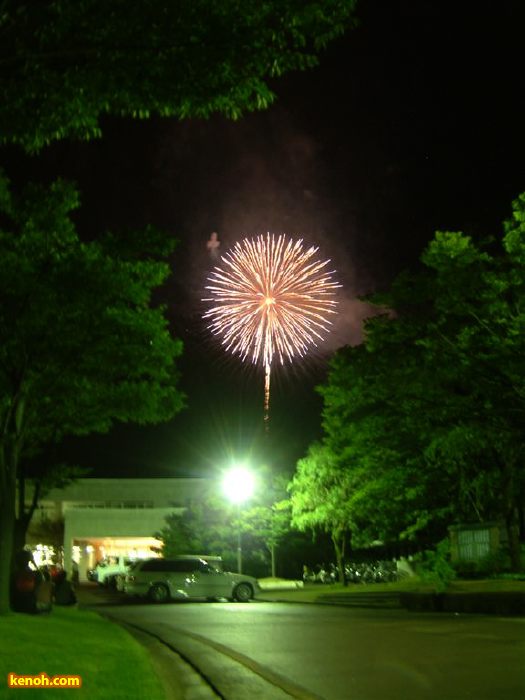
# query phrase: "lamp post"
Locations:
[[238, 484]]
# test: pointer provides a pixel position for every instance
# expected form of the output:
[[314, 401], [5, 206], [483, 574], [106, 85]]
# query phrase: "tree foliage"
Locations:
[[321, 492], [81, 345], [423, 424], [204, 527], [65, 64], [212, 526]]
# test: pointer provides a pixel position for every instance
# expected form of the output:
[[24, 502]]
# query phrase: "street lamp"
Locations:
[[238, 484]]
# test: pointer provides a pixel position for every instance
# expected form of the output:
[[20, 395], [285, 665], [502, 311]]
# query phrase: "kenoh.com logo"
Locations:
[[43, 680]]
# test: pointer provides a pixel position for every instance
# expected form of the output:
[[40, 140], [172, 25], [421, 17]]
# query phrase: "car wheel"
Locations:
[[243, 592], [159, 593]]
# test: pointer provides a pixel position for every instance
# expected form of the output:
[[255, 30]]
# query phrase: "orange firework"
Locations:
[[270, 298]]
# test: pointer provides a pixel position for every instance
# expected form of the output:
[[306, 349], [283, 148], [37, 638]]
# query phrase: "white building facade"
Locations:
[[114, 517]]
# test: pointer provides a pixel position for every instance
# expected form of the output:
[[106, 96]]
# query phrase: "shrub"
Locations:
[[434, 566], [491, 565]]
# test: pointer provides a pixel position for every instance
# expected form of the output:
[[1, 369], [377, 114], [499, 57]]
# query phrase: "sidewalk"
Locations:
[[92, 594], [180, 680]]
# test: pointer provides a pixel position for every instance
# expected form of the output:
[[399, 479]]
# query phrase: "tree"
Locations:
[[423, 424], [480, 324], [269, 518], [64, 64], [50, 532], [321, 493], [377, 417], [207, 526], [81, 345], [211, 526], [42, 481], [271, 524]]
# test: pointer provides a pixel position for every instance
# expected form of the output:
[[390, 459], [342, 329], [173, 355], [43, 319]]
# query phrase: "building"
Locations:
[[473, 542], [112, 517]]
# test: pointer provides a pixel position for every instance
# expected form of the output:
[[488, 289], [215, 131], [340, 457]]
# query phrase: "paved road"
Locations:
[[261, 649]]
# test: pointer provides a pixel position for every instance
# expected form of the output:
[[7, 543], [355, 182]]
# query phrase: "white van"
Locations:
[[106, 571], [187, 576]]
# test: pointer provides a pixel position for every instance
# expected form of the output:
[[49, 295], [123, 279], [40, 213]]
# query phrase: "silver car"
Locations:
[[185, 577]]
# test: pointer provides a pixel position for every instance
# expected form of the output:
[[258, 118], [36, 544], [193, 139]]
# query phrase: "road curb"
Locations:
[[180, 679], [507, 604], [503, 604]]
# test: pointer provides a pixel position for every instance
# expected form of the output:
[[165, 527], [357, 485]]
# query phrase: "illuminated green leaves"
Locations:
[[63, 64], [424, 422]]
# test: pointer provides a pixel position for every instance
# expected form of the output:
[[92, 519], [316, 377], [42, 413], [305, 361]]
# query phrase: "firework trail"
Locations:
[[270, 299]]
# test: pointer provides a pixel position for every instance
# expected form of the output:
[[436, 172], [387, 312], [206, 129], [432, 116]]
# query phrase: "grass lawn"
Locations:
[[415, 585], [409, 585], [111, 663]]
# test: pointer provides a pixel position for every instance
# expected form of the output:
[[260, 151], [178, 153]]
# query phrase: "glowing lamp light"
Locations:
[[238, 484]]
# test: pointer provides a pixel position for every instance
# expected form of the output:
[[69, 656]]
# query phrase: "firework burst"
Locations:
[[270, 299]]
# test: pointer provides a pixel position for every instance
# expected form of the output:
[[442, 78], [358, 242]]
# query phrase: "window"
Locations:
[[176, 565], [473, 544], [186, 566], [153, 565]]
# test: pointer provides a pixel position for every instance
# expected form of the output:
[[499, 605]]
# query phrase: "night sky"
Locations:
[[411, 123]]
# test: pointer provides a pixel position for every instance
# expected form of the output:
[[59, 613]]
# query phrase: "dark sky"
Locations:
[[413, 122]]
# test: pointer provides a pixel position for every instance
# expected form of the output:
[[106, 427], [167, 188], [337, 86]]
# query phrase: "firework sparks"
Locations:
[[270, 299]]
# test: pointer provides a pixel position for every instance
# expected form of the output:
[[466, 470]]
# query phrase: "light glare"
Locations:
[[238, 484]]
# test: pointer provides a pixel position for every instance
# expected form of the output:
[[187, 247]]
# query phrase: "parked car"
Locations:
[[31, 589], [106, 571], [185, 577], [120, 578]]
